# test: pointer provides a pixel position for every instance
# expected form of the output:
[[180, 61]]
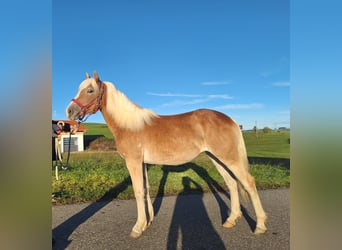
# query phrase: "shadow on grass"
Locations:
[[281, 162]]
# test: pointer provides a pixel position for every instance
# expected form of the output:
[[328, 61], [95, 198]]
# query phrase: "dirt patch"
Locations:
[[102, 144]]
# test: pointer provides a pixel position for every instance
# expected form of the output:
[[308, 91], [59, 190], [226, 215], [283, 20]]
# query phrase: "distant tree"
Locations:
[[266, 130]]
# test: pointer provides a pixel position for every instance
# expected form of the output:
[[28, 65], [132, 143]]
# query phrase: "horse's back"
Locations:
[[214, 121], [213, 115], [196, 126], [200, 121], [200, 115]]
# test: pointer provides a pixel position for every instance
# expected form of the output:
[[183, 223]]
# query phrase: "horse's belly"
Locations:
[[170, 157], [169, 161]]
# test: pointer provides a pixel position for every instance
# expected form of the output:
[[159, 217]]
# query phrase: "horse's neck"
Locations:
[[122, 114], [113, 127]]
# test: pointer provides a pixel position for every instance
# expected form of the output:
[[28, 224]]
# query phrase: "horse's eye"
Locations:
[[89, 91]]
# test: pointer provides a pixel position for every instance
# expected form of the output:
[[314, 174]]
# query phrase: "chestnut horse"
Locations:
[[143, 137]]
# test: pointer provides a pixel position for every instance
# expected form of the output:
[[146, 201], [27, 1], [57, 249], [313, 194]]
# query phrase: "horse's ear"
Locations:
[[87, 75], [96, 76]]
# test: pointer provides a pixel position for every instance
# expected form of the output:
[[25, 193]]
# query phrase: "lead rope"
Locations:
[[58, 152], [67, 162], [59, 157]]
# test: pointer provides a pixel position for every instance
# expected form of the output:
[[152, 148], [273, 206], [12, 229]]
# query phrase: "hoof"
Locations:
[[147, 226], [228, 224], [259, 230], [134, 234]]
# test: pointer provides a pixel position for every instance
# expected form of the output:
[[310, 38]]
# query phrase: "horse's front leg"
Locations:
[[136, 171]]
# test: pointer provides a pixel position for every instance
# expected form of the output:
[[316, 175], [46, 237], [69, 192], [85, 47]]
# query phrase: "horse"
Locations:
[[144, 137]]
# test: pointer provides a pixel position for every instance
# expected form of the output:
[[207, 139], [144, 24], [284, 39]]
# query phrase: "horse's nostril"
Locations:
[[68, 112]]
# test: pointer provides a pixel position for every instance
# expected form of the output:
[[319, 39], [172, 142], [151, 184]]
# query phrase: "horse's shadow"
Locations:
[[215, 188], [191, 226], [62, 232]]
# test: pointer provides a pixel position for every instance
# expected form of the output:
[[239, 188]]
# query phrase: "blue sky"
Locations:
[[177, 56]]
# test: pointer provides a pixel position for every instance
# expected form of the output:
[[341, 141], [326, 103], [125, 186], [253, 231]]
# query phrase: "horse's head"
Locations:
[[88, 98]]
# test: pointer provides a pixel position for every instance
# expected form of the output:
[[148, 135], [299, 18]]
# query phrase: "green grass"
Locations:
[[96, 175], [102, 175], [273, 144], [97, 129]]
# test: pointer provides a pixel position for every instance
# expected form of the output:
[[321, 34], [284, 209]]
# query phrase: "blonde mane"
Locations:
[[126, 114]]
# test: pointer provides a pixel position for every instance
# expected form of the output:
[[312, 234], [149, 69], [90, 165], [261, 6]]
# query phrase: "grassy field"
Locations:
[[98, 129], [273, 144], [95, 175]]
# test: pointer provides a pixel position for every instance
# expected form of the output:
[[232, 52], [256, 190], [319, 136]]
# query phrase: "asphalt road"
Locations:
[[181, 222]]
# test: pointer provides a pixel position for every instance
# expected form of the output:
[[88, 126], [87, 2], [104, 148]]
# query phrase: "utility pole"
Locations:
[[256, 129]]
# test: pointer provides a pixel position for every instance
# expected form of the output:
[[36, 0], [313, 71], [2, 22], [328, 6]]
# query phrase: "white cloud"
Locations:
[[205, 97], [182, 103], [173, 94], [220, 97], [212, 83], [281, 84], [189, 102], [241, 106], [194, 98]]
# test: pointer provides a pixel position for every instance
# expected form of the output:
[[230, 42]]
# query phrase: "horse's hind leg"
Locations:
[[148, 204], [247, 180], [249, 185], [234, 195]]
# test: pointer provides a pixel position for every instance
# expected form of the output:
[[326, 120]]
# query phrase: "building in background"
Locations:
[[76, 139]]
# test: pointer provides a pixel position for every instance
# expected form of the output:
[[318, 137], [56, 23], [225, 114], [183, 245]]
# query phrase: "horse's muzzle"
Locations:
[[73, 111]]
